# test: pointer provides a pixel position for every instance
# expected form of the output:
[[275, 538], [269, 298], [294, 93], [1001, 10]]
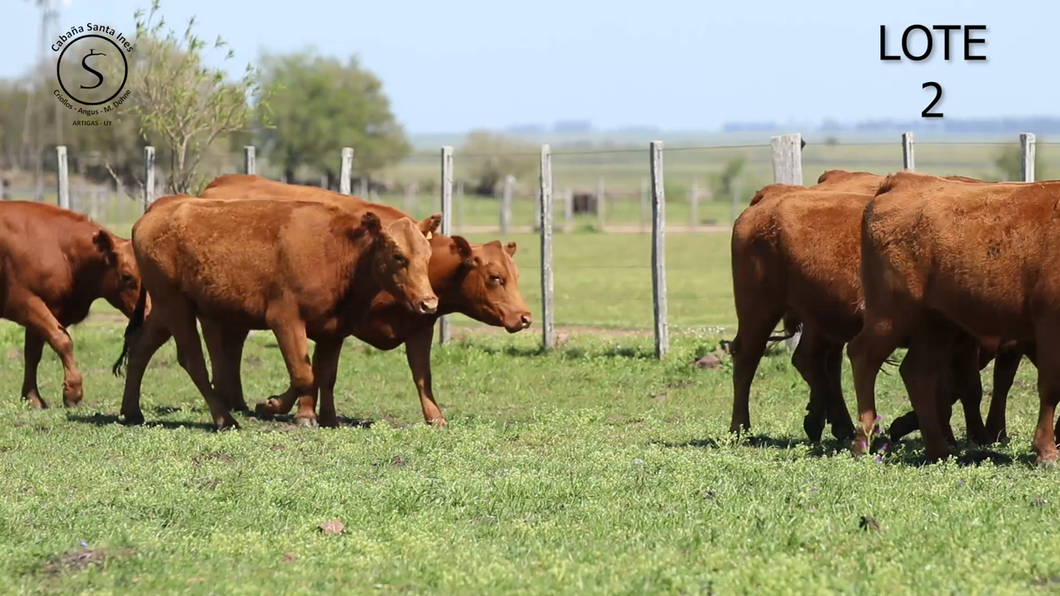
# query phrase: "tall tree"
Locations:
[[319, 105], [183, 102], [491, 157]]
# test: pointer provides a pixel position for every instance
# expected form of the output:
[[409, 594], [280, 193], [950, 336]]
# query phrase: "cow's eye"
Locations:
[[496, 279], [400, 260]]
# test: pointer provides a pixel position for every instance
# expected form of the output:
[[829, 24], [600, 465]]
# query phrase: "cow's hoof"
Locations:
[[438, 423], [306, 422], [843, 432], [36, 403], [132, 419], [269, 407], [71, 403], [328, 421], [227, 423], [813, 428]]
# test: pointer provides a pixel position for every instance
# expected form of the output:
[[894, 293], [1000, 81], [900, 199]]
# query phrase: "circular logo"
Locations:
[[92, 70]]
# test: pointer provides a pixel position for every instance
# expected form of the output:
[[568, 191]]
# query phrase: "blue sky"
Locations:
[[677, 64]]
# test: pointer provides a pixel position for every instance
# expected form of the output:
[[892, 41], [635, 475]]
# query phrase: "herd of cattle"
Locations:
[[957, 270], [250, 253]]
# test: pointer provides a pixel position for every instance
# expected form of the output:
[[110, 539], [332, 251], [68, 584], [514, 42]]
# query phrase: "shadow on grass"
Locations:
[[100, 419], [571, 353], [903, 453], [344, 421]]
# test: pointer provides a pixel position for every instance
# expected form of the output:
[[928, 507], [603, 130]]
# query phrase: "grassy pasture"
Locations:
[[592, 469]]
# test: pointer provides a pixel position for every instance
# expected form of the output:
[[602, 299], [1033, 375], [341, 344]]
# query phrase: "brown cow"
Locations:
[[302, 269], [939, 257], [783, 265], [53, 265], [477, 280]]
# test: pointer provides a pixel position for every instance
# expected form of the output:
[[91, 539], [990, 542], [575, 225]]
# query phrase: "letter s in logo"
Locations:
[[84, 64]]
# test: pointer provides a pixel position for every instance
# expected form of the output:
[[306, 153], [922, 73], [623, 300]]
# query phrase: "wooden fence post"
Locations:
[[658, 251], [907, 151], [787, 169], [64, 177], [346, 171], [149, 176], [1027, 156], [249, 159], [447, 224], [601, 204], [537, 210], [506, 204], [547, 314]]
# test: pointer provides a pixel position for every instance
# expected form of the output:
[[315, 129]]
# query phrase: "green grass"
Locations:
[[591, 469]]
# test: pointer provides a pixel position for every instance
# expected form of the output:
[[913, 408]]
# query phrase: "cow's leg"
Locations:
[[748, 346], [838, 414], [151, 336], [418, 354], [969, 387], [179, 317], [294, 345], [33, 349], [1006, 364], [946, 394], [33, 314], [226, 354], [810, 360], [326, 370], [920, 372], [1048, 363], [867, 352]]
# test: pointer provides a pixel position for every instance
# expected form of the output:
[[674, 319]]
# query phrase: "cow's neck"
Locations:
[[447, 273], [361, 288]]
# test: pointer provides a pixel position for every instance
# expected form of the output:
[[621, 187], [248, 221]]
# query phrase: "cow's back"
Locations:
[[234, 257], [37, 246], [983, 253], [244, 187]]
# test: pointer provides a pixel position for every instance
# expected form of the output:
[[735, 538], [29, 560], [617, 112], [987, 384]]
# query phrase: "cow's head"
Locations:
[[121, 277], [401, 258], [489, 284]]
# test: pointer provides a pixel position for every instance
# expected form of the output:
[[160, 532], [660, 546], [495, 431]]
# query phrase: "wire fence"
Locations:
[[603, 219]]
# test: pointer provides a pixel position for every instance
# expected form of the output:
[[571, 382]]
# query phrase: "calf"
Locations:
[[795, 255], [305, 270], [939, 258], [53, 265], [480, 281]]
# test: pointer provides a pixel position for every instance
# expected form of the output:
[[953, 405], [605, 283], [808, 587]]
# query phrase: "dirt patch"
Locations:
[[14, 354], [224, 458], [253, 362], [332, 527], [75, 560], [205, 484], [276, 448], [289, 558]]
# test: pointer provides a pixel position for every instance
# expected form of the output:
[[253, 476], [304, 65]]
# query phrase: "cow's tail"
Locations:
[[132, 331], [791, 327]]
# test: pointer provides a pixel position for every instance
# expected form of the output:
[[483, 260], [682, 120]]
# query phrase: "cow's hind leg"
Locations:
[[226, 355], [294, 345], [1006, 364], [810, 359], [747, 349], [179, 316], [877, 340], [33, 349], [838, 414], [151, 336], [30, 312], [920, 372], [1048, 363], [969, 387]]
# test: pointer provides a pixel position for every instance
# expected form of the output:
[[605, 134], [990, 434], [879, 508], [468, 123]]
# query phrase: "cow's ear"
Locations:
[[370, 223], [430, 225], [510, 249], [462, 248], [105, 244]]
